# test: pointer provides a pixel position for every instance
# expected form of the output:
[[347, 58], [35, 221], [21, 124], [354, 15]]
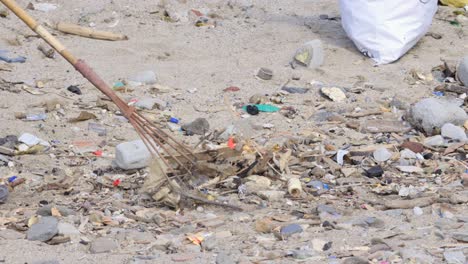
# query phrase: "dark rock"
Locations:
[[375, 172], [74, 89]]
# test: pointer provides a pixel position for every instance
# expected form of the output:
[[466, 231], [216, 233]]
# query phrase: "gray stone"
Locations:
[[47, 210], [223, 258], [382, 154], [44, 229], [322, 208], [453, 132], [462, 71], [199, 126], [290, 230], [434, 141], [103, 245], [432, 113], [66, 229], [454, 257]]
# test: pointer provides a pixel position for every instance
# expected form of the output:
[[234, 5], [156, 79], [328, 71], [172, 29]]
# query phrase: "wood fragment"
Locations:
[[363, 114], [409, 204], [88, 32], [458, 89], [367, 150]]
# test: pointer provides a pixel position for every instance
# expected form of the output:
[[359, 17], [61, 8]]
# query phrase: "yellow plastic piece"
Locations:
[[455, 3]]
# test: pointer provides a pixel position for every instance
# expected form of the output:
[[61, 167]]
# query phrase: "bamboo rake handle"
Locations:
[[79, 65], [40, 30]]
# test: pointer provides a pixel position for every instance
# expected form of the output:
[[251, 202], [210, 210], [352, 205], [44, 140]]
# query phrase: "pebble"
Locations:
[[369, 222], [453, 132], [44, 229], [102, 245], [418, 211], [382, 154], [462, 71], [199, 126], [334, 93], [265, 74], [66, 229], [434, 141], [375, 172], [432, 113], [322, 208], [74, 89], [291, 229]]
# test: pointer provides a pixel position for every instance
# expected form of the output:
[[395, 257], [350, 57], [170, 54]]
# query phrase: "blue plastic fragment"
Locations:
[[4, 57], [12, 178], [174, 120]]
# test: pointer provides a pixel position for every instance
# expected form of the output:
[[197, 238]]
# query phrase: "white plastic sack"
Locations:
[[385, 30]]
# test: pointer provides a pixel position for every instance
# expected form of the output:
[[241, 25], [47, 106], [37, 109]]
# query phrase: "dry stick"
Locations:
[[363, 114], [88, 32]]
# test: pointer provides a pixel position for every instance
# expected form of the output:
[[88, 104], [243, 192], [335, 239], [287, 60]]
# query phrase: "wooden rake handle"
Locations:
[[79, 64]]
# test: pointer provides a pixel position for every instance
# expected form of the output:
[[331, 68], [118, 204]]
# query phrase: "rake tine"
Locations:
[[160, 144], [179, 150], [169, 136]]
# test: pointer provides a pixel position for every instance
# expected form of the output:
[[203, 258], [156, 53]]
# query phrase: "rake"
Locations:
[[162, 146]]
